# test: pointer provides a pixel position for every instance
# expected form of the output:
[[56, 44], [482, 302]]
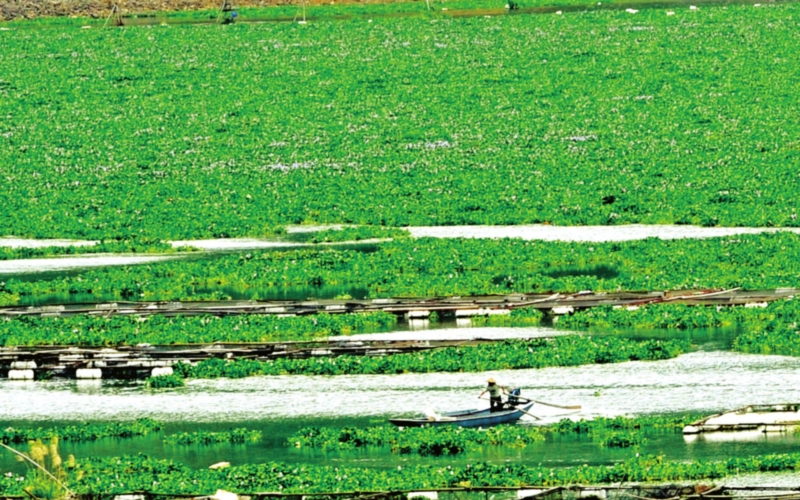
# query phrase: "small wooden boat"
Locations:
[[764, 418], [468, 418]]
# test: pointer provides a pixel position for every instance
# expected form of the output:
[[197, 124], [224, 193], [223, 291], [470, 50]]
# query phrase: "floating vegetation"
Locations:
[[162, 330], [766, 329], [164, 382], [81, 433], [620, 432], [234, 436], [504, 355], [194, 165], [437, 267], [114, 475], [527, 316], [435, 441]]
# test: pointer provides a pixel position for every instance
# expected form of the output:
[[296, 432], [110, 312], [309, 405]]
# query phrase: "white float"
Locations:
[[162, 371], [88, 373], [418, 314], [432, 495], [23, 365], [20, 374]]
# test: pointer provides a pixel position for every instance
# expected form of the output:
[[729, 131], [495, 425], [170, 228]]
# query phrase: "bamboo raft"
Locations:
[[414, 308], [26, 363]]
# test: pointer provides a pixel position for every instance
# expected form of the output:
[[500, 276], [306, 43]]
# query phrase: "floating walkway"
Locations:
[[34, 363], [415, 308]]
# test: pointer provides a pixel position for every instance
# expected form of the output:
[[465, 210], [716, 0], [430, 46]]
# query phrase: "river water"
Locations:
[[709, 379], [700, 381]]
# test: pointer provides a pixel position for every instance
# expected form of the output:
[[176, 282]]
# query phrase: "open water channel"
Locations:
[[299, 234], [706, 380]]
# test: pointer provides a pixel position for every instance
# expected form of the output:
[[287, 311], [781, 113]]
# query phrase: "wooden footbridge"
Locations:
[[412, 308], [140, 361], [129, 362]]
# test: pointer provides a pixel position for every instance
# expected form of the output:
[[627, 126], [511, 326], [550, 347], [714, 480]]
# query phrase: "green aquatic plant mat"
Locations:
[[111, 133], [125, 474], [161, 330], [502, 355], [234, 436], [83, 432], [435, 267]]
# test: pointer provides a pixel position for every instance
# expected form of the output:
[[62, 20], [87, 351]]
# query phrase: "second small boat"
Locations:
[[765, 418]]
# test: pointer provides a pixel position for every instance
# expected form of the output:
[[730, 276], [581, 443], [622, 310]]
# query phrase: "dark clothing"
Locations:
[[496, 404]]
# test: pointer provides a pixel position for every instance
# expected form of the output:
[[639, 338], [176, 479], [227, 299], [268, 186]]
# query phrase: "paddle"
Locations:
[[519, 409], [576, 407]]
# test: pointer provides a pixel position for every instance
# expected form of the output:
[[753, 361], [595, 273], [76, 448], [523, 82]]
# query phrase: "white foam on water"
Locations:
[[77, 262], [587, 233]]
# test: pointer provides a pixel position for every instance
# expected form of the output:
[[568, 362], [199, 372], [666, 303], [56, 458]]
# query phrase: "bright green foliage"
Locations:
[[84, 432], [451, 440], [769, 330], [141, 473], [430, 267], [518, 317], [586, 118], [426, 441], [783, 339], [10, 483], [164, 382], [234, 436], [570, 350], [140, 245], [567, 426], [161, 330], [680, 317]]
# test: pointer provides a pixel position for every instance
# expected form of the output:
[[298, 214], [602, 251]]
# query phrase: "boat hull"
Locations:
[[764, 418], [467, 418]]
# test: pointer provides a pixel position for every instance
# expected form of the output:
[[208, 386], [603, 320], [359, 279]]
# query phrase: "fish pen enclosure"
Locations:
[[33, 363], [576, 492]]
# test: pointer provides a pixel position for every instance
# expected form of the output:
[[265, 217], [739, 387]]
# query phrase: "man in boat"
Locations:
[[495, 395]]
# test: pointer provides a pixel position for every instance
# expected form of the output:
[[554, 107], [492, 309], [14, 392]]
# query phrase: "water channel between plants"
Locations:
[[709, 379]]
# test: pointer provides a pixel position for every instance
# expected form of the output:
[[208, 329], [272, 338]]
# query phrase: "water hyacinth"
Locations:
[[81, 433], [117, 475], [224, 145], [161, 330], [502, 355], [423, 268]]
